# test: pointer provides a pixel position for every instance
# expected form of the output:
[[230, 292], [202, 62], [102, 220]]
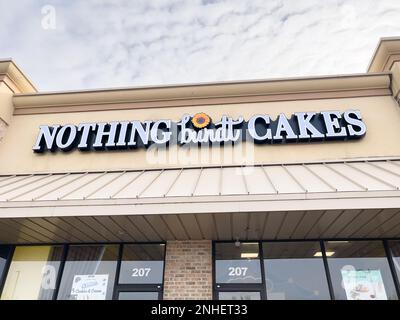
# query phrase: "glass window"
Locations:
[[395, 250], [295, 271], [4, 254], [138, 296], [239, 296], [360, 270], [33, 273], [237, 263], [89, 272], [142, 264]]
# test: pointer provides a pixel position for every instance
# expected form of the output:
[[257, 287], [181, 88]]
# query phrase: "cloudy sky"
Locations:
[[71, 44]]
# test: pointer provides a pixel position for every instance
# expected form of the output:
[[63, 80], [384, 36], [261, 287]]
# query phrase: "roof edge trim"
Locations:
[[159, 96], [11, 72]]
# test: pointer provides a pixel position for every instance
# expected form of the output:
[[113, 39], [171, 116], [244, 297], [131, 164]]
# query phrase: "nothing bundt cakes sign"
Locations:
[[199, 129]]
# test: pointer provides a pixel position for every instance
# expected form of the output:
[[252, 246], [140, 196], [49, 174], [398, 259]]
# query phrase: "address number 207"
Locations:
[[140, 272], [237, 271]]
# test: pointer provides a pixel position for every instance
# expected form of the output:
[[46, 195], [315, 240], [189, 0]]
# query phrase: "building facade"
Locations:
[[276, 189]]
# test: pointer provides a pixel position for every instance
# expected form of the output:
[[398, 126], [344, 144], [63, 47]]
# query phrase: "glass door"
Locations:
[[238, 273], [141, 272], [134, 294]]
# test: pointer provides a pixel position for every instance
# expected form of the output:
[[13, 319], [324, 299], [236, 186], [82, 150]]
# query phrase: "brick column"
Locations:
[[188, 270]]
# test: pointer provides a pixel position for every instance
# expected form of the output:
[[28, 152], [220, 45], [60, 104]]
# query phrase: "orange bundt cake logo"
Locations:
[[201, 120]]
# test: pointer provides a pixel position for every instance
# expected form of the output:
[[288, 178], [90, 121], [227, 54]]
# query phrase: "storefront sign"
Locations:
[[200, 130], [90, 287], [363, 285]]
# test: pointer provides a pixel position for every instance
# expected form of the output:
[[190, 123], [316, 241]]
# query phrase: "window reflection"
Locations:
[[33, 273], [4, 253], [89, 272], [294, 270], [138, 296], [237, 263], [360, 270], [239, 296], [394, 246]]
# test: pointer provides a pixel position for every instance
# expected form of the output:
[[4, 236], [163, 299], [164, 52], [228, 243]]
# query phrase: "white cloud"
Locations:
[[129, 43]]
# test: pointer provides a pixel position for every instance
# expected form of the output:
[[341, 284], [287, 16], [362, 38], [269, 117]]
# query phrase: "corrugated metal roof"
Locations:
[[189, 182]]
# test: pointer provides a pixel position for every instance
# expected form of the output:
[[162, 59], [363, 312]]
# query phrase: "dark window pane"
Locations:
[[295, 271], [142, 264], [237, 263], [138, 296], [395, 249], [239, 296], [89, 272], [4, 253], [33, 273], [360, 270]]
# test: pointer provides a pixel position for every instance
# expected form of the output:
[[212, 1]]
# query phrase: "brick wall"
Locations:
[[3, 128], [188, 270]]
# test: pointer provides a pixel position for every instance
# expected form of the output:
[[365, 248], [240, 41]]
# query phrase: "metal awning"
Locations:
[[272, 180], [341, 199]]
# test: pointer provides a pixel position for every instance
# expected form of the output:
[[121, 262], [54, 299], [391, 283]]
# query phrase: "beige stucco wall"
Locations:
[[381, 115], [3, 129], [6, 106], [6, 109]]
